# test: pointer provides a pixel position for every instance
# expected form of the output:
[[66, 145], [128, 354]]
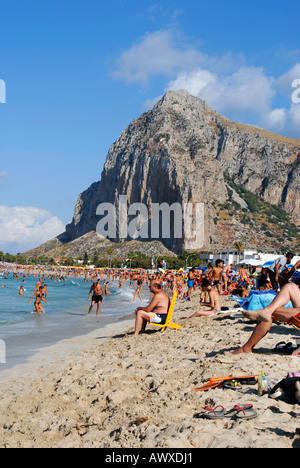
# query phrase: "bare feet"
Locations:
[[243, 350], [259, 315]]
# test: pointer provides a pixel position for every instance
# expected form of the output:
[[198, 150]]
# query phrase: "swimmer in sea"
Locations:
[[107, 292]]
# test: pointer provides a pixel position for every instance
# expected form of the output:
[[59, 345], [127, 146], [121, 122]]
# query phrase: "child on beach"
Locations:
[[214, 304]]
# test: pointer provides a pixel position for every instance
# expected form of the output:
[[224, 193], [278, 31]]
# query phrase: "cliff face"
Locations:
[[183, 151]]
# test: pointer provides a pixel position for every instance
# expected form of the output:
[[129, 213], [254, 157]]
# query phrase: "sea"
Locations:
[[22, 332]]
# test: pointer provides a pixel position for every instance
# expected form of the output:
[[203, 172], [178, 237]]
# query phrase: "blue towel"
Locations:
[[258, 300]]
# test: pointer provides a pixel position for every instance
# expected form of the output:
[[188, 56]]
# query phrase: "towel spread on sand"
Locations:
[[258, 300]]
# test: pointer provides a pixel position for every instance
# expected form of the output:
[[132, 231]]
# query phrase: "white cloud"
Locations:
[[276, 119], [243, 93], [201, 83], [27, 227], [248, 89], [284, 82], [156, 54], [246, 92]]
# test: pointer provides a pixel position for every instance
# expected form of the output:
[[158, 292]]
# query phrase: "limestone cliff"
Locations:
[[183, 151]]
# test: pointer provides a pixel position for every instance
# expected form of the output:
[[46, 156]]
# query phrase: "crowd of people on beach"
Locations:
[[212, 282], [221, 279]]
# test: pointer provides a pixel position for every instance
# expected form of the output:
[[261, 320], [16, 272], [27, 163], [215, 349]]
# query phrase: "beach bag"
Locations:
[[288, 386]]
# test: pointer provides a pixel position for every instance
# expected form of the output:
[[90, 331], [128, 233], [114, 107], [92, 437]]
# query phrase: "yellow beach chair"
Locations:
[[169, 323]]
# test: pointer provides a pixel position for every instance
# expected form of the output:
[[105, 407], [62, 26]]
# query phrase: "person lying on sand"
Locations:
[[214, 304], [157, 310], [274, 312]]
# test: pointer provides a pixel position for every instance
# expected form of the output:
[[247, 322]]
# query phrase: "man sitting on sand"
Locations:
[[274, 312], [157, 310], [214, 304]]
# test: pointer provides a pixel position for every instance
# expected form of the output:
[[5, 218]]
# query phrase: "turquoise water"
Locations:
[[65, 317]]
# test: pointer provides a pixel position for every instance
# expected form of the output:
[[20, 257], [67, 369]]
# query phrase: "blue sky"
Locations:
[[78, 72]]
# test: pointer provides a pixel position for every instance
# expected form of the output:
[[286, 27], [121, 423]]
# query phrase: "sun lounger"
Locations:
[[169, 323]]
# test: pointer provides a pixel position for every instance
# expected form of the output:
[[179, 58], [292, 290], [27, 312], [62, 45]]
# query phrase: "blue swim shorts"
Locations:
[[296, 278]]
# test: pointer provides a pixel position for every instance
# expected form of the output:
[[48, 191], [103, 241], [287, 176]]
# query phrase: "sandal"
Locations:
[[284, 348], [246, 413], [242, 413], [233, 385], [214, 413]]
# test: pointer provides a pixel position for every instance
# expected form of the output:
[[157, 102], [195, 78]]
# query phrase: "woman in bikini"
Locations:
[[39, 297], [138, 291]]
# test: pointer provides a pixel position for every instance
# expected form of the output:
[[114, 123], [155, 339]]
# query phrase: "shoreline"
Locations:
[[36, 334], [50, 355], [115, 391]]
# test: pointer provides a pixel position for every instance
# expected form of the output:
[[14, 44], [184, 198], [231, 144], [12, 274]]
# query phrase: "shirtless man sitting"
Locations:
[[274, 312], [214, 304], [157, 310]]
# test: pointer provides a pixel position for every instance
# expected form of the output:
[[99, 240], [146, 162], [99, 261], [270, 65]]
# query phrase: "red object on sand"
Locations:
[[295, 321]]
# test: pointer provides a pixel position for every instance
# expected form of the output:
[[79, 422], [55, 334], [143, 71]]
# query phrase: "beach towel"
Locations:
[[258, 300]]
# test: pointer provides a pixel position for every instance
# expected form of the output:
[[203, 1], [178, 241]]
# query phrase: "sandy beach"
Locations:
[[111, 390]]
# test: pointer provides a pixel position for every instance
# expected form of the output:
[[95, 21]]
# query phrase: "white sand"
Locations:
[[131, 392]]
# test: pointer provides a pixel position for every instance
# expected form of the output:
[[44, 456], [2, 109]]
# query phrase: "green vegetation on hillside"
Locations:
[[274, 221]]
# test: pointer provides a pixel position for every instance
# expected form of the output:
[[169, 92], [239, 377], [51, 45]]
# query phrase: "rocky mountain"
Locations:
[[93, 243], [182, 151]]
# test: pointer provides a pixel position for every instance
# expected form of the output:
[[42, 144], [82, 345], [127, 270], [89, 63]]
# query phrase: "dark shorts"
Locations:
[[272, 276], [97, 299], [215, 283], [159, 319]]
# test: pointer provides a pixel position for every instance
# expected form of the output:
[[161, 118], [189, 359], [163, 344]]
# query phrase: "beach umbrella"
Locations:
[[251, 262], [268, 264]]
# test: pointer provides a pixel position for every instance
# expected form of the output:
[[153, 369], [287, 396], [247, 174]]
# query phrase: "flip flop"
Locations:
[[284, 348], [246, 413], [232, 413], [248, 382], [233, 385], [214, 413], [242, 413]]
